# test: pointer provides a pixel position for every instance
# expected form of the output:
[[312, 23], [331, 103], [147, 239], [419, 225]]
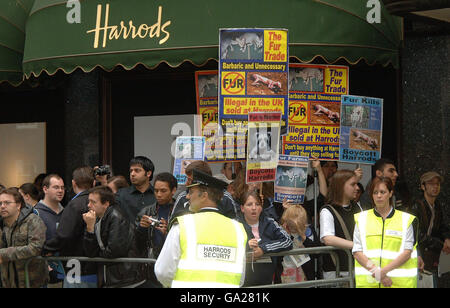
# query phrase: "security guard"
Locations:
[[205, 249], [384, 242]]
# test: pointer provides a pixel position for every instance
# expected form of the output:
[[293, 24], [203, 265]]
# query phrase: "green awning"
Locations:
[[150, 32], [13, 17]]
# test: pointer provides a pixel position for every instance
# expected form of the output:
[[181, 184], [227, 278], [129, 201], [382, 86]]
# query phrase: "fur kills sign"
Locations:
[[253, 76], [262, 148], [361, 129], [314, 110]]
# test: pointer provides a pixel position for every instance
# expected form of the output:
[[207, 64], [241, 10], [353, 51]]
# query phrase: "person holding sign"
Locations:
[[265, 236], [204, 249], [336, 220], [385, 242]]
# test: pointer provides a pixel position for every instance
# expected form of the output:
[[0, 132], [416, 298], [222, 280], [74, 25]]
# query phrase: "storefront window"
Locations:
[[22, 152]]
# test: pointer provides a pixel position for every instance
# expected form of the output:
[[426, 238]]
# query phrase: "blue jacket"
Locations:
[[273, 237]]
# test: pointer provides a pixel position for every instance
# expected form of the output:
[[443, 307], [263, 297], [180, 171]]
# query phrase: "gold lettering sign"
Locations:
[[125, 31]]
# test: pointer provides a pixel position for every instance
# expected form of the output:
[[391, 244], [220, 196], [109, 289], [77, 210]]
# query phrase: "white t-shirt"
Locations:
[[327, 223]]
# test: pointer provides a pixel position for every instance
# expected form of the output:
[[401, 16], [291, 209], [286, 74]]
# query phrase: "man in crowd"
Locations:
[[22, 235], [68, 240], [204, 249], [385, 168], [50, 210], [109, 235], [434, 233], [131, 200], [150, 235], [226, 206]]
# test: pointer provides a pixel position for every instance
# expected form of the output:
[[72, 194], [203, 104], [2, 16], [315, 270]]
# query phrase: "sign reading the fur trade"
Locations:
[[361, 129], [253, 74], [314, 110], [218, 148], [291, 178], [262, 147], [187, 150]]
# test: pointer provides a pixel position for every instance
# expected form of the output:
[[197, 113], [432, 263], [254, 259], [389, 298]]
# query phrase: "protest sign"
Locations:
[[314, 110], [263, 144], [218, 148], [291, 178], [187, 150], [361, 129], [253, 74]]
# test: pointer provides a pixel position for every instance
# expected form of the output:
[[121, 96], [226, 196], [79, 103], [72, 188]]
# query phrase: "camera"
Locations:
[[155, 222], [102, 170]]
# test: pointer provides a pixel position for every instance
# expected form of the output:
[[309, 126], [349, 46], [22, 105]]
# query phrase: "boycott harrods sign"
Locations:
[[314, 110]]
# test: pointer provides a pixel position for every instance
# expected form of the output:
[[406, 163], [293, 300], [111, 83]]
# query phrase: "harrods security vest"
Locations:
[[384, 241], [212, 251]]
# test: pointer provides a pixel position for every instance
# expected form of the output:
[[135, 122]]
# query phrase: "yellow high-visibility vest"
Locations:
[[212, 251], [383, 242]]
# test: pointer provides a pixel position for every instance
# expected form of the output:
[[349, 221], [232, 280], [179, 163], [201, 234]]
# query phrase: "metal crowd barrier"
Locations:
[[319, 282], [314, 250], [85, 259]]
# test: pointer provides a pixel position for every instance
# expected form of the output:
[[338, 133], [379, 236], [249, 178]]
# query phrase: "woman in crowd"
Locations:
[[337, 222], [30, 194], [265, 236], [384, 242]]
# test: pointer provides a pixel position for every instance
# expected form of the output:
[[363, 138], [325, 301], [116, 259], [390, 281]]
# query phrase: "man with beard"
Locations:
[[131, 200]]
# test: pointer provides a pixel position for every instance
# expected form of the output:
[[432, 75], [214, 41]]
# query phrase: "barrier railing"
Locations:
[[319, 282], [84, 259], [301, 251]]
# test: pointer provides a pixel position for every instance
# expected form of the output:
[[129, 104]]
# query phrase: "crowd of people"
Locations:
[[396, 241]]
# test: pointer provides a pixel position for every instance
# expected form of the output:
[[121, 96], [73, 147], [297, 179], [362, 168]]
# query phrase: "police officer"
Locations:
[[206, 248]]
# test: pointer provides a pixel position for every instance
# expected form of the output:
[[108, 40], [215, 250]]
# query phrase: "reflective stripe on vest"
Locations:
[[212, 251], [382, 248]]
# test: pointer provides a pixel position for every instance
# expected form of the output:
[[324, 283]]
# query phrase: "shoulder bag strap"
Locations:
[[341, 222]]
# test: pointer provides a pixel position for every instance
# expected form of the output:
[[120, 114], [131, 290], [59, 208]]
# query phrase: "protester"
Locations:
[[386, 168], [294, 221], [22, 235], [111, 236], [131, 200], [265, 236], [189, 257], [150, 235], [384, 242], [68, 240], [336, 220], [117, 182], [434, 233], [30, 194]]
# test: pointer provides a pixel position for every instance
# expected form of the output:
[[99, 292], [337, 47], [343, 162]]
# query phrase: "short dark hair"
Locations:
[[119, 181], [324, 162], [200, 165], [145, 163], [47, 179], [214, 194], [84, 177], [168, 178], [13, 191], [30, 189], [380, 164], [105, 193]]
